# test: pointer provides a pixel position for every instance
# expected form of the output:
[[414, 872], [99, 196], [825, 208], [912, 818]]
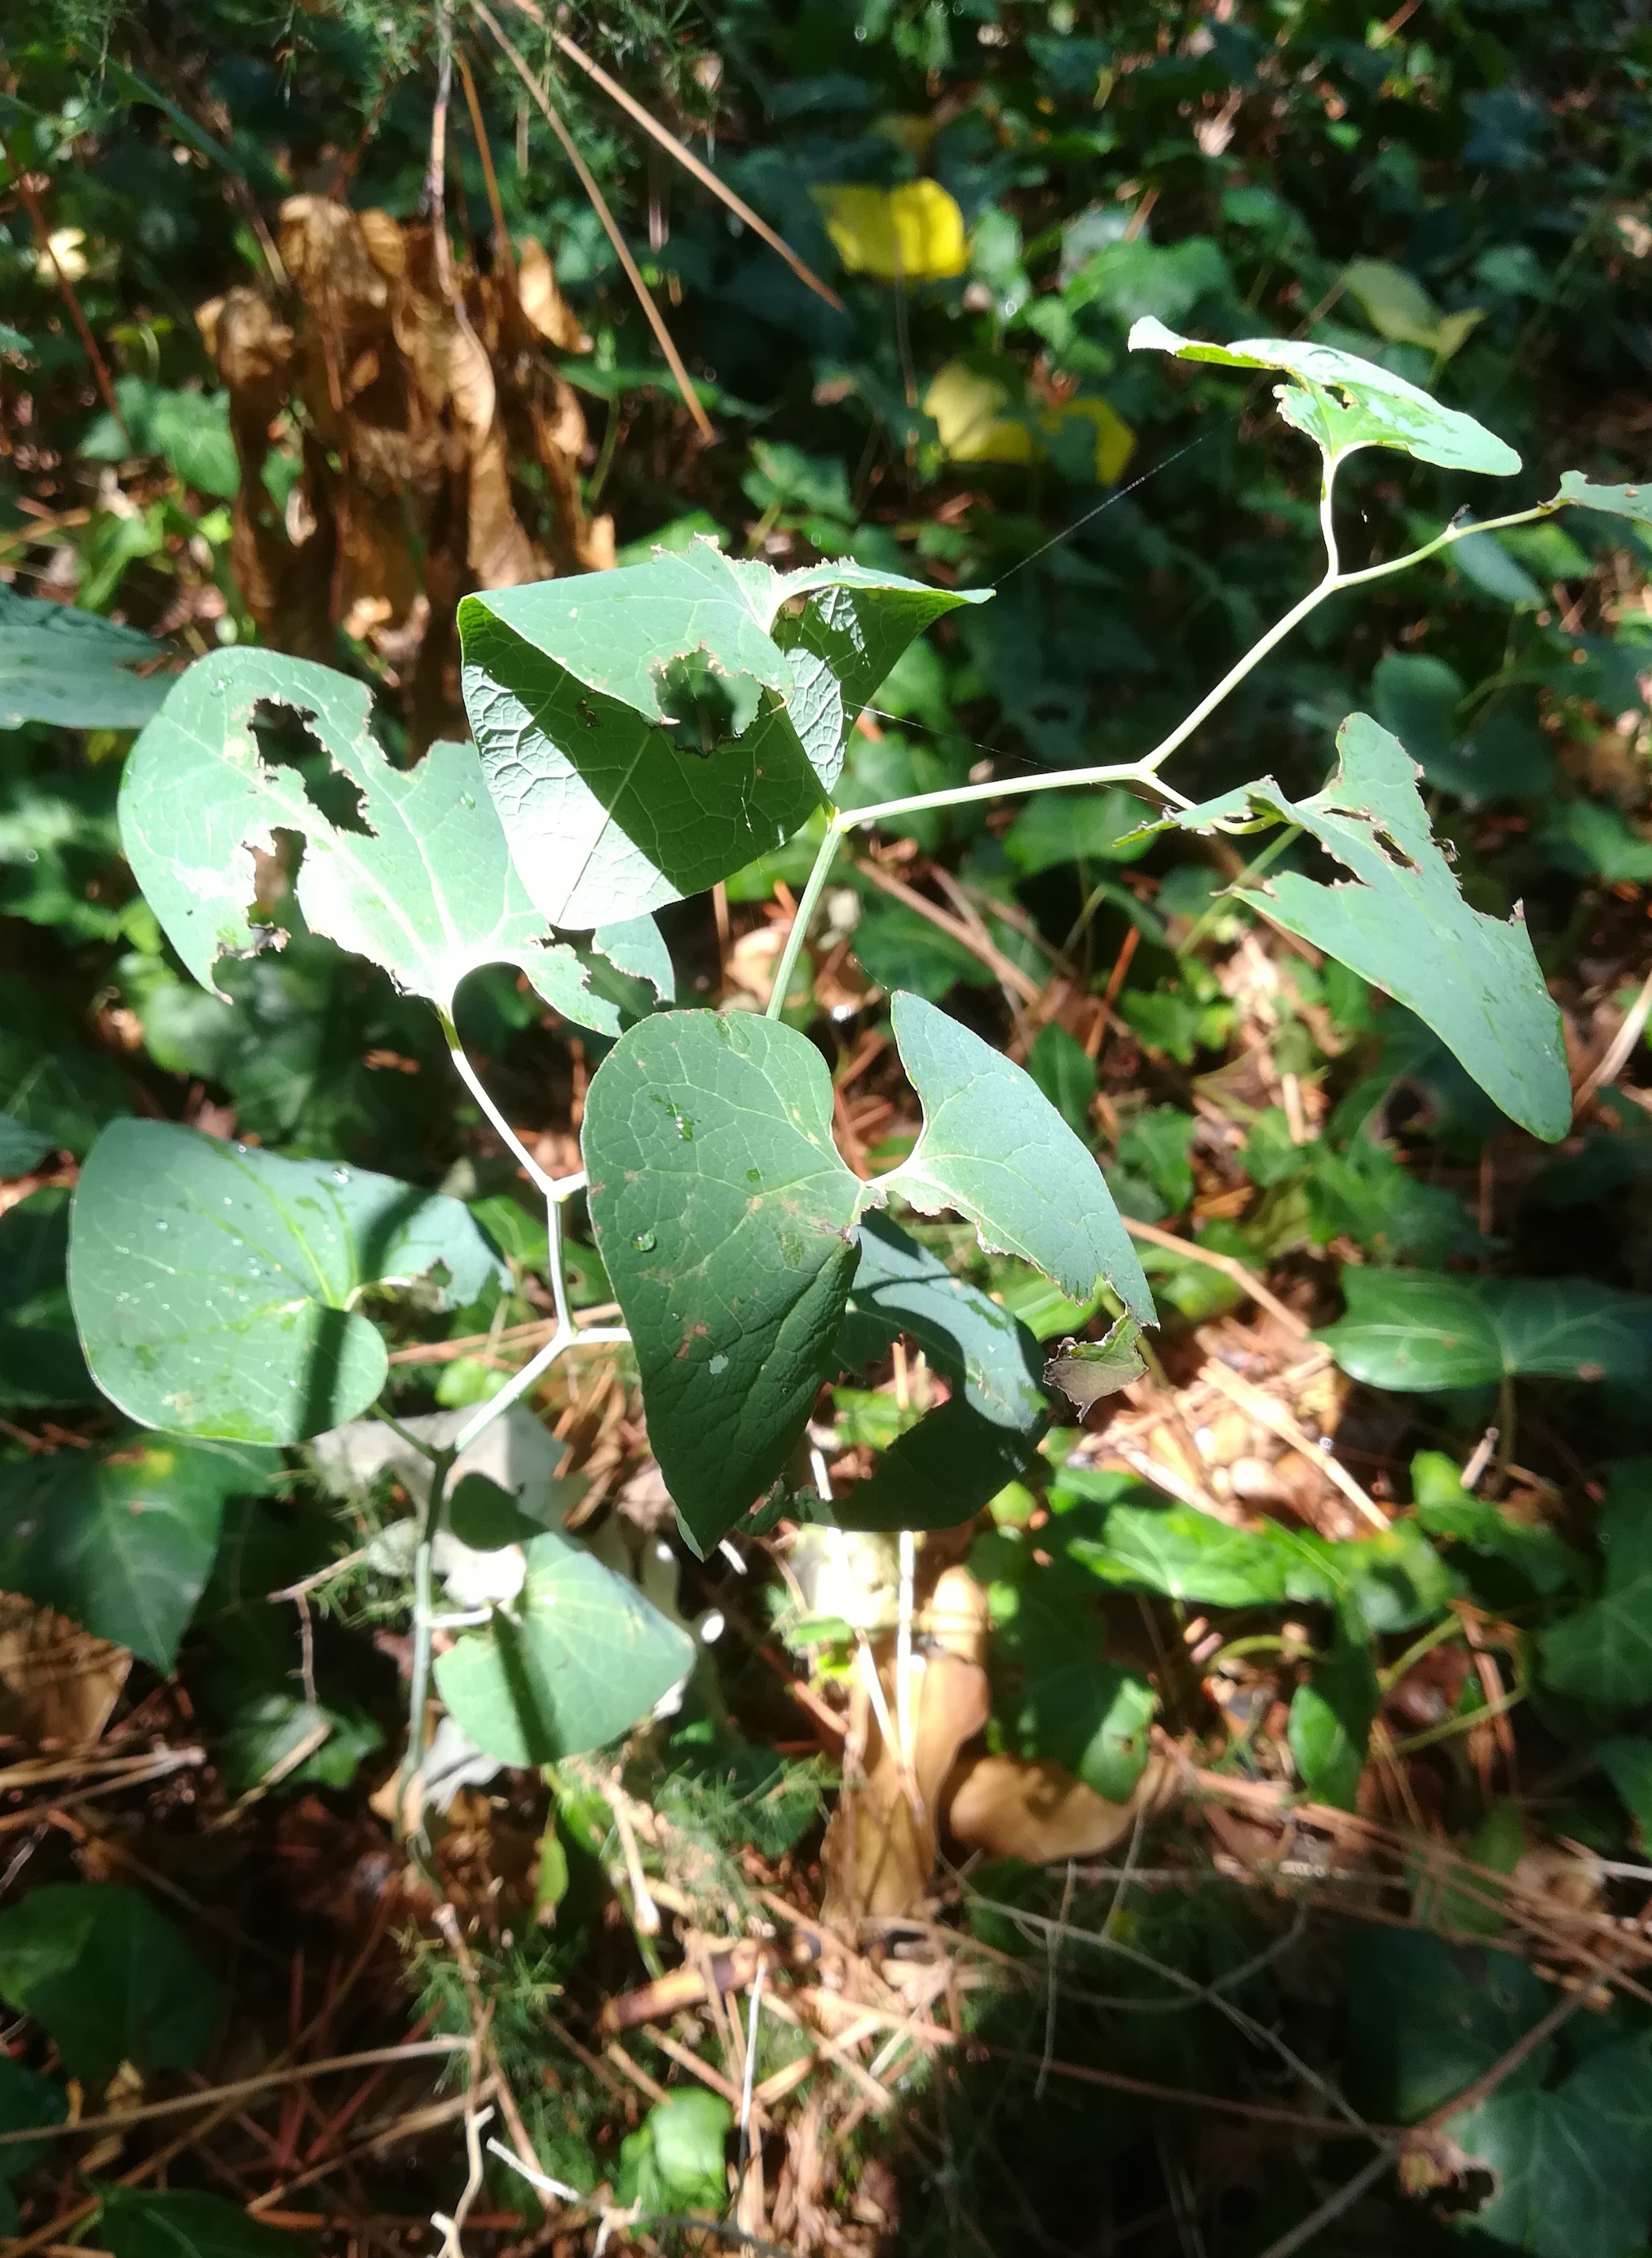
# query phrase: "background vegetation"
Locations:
[[1338, 1943]]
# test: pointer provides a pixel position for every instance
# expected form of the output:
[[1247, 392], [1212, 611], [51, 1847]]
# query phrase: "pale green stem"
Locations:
[[806, 908]]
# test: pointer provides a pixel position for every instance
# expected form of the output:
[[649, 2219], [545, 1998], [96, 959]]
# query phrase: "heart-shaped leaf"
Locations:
[[1405, 926], [994, 1149], [1343, 403], [944, 1470], [644, 732], [724, 1217], [1415, 1330], [123, 1539], [214, 1285], [406, 867], [578, 1658], [108, 1977]]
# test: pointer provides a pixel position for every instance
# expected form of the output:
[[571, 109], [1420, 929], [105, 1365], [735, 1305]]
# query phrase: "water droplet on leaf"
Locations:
[[643, 1242]]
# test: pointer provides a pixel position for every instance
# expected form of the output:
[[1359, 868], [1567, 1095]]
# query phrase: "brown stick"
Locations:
[[994, 959], [37, 218], [599, 204], [1228, 1264], [685, 156], [1322, 2129]]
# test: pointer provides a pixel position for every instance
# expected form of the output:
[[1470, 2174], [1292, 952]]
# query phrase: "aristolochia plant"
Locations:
[[638, 736]]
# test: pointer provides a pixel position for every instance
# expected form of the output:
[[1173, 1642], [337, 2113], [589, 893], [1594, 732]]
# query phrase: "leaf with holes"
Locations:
[[1633, 502], [647, 732], [578, 1658], [944, 1469], [726, 1219], [1415, 1330], [1570, 2165], [406, 867], [994, 1148], [1603, 1653], [215, 1285], [1342, 403], [122, 1540], [1405, 925], [71, 668]]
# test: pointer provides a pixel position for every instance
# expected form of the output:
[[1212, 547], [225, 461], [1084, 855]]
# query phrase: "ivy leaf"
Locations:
[[1445, 1509], [647, 732], [21, 1147], [123, 1540], [108, 1977], [1427, 2018], [1571, 2166], [1343, 403], [994, 1148], [1405, 926], [1602, 1654], [1413, 1329], [71, 668], [184, 2223], [1331, 1716], [944, 1470], [406, 867], [576, 1660], [214, 1285], [725, 1218]]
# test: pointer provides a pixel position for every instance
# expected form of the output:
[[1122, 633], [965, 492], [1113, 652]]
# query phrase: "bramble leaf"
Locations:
[[994, 1148], [123, 1540], [725, 1218], [944, 1470], [406, 867], [1405, 925], [214, 1285], [70, 667], [1342, 401], [647, 732], [1415, 1330], [578, 1658]]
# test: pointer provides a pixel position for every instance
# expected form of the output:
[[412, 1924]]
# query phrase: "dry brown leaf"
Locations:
[[57, 1682], [1012, 1807], [880, 1846], [543, 303]]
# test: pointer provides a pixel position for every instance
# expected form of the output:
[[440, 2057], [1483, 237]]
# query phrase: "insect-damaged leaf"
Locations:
[[579, 1656], [408, 867], [628, 779], [1633, 502], [994, 1149], [1343, 403], [942, 1471], [1405, 926], [726, 1219], [214, 1285]]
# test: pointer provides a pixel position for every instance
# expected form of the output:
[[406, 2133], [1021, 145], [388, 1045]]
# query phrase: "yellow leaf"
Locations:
[[1114, 441], [914, 233]]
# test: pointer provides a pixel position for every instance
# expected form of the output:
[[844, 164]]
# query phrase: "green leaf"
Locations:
[[994, 1149], [106, 1978], [1087, 1371], [1066, 1073], [577, 1659], [725, 1218], [942, 1471], [1633, 502], [1602, 1654], [26, 2099], [1055, 828], [123, 1540], [406, 867], [1445, 1509], [1427, 2018], [190, 430], [263, 1731], [1343, 403], [1331, 1716], [184, 2223], [674, 2160], [214, 1285], [40, 1360], [1571, 2167], [69, 667], [1412, 1329], [1627, 1764], [1405, 926], [1058, 1696], [652, 730]]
